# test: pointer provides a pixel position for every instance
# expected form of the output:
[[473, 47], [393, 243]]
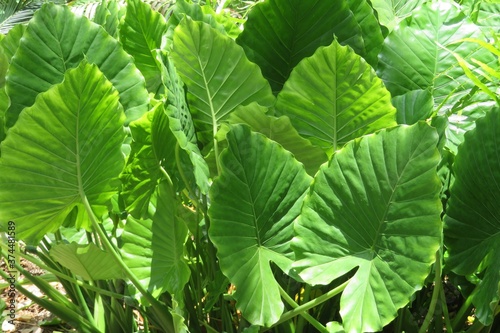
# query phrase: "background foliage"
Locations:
[[232, 166]]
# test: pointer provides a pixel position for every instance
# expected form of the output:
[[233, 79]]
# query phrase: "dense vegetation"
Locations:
[[283, 166]]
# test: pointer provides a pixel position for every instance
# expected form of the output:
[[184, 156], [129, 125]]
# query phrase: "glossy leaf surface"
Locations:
[[255, 200], [63, 150], [373, 210], [335, 96]]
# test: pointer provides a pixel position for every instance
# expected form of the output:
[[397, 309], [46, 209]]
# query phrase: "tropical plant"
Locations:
[[284, 166]]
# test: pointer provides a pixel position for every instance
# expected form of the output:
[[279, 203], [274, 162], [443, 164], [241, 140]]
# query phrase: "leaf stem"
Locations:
[[159, 308], [303, 313], [435, 293]]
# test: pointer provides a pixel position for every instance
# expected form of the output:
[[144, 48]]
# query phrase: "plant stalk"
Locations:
[[435, 293]]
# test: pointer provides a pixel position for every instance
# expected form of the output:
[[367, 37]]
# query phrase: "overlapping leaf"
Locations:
[[63, 150], [417, 55], [280, 33], [57, 40], [472, 221], [218, 75], [374, 208], [254, 202], [87, 261], [153, 248], [280, 130], [335, 96], [141, 34]]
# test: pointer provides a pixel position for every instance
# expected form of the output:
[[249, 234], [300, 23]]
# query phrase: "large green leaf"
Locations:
[[87, 261], [217, 73], [417, 55], [374, 208], [254, 202], [335, 96], [280, 33], [280, 130], [63, 150], [472, 221], [153, 248], [57, 40], [141, 34]]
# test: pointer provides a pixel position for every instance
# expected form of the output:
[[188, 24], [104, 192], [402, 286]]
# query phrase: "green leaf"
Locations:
[[108, 15], [63, 150], [472, 221], [417, 56], [375, 209], [141, 34], [280, 130], [254, 202], [391, 12], [335, 96], [142, 171], [370, 28], [153, 248], [87, 261], [218, 75], [413, 106], [280, 33], [163, 139], [57, 40]]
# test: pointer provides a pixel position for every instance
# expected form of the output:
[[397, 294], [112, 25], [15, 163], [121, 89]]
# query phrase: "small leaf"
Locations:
[[153, 248], [87, 261], [335, 96]]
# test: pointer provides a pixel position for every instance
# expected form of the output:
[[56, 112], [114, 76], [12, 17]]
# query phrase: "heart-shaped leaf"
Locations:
[[335, 96], [63, 150], [472, 221], [374, 208], [254, 202]]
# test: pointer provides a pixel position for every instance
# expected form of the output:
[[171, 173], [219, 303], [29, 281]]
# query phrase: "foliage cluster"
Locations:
[[289, 165]]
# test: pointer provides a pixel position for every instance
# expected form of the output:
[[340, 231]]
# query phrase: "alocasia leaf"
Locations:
[[280, 130], [153, 247], [280, 33], [63, 150], [334, 96], [418, 55], [375, 209], [472, 221], [218, 75], [413, 106], [141, 34], [57, 40], [391, 12], [254, 202], [87, 261]]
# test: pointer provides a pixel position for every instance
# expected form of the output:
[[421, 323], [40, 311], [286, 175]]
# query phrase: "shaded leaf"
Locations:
[[280, 130], [413, 106], [374, 208], [280, 33], [153, 248], [472, 221], [87, 261]]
